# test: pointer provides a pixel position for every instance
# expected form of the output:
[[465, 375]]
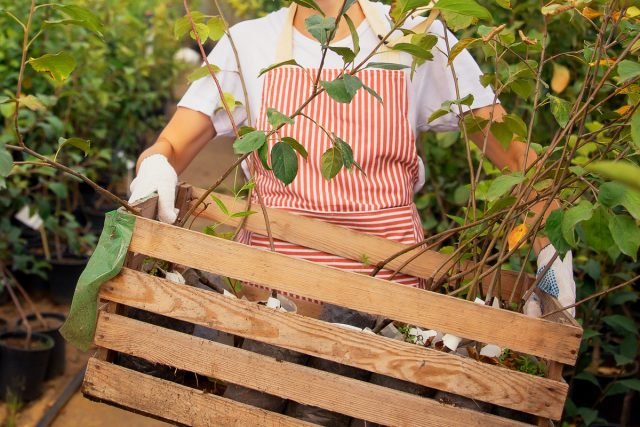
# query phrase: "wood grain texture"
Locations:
[[348, 243], [414, 306], [428, 367], [171, 401], [302, 384]]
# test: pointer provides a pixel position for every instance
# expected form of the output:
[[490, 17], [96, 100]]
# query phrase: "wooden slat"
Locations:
[[414, 306], [171, 401], [302, 384], [348, 243], [428, 367]]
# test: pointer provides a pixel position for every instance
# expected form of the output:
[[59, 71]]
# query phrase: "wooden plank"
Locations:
[[302, 384], [171, 401], [554, 372], [345, 242], [414, 306], [428, 367]]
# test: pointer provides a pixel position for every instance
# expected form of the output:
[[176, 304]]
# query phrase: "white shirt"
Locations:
[[256, 41]]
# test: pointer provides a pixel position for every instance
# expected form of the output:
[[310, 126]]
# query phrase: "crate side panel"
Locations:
[[427, 367], [414, 306]]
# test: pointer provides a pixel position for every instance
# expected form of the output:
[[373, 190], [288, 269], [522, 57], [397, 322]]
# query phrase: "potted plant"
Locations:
[[24, 354]]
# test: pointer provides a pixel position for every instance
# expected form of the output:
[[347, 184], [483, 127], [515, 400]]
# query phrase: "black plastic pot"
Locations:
[[22, 370], [64, 277], [57, 361]]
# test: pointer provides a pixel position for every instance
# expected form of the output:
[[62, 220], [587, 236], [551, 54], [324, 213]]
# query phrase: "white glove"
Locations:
[[156, 174], [558, 281], [421, 176]]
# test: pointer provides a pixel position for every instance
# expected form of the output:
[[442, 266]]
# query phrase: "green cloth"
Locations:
[[105, 263]]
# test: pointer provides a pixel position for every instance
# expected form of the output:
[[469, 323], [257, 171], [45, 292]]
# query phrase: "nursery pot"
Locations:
[[22, 370], [57, 361], [64, 277]]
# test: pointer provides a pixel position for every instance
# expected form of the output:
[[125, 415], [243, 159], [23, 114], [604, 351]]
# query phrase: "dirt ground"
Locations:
[[79, 411]]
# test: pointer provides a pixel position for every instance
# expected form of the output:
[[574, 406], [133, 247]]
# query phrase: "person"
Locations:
[[382, 135]]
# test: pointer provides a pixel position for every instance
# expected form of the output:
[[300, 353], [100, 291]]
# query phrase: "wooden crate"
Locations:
[[555, 339]]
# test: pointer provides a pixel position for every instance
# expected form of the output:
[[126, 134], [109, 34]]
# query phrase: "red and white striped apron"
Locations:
[[383, 143]]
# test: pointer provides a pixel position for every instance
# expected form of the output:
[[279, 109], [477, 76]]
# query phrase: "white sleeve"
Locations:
[[203, 94], [433, 84]]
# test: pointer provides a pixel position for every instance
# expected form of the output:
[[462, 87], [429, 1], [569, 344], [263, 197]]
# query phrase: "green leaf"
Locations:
[[621, 324], [202, 72], [634, 123], [461, 46], [59, 189], [596, 230], [502, 132], [342, 89], [276, 118], [31, 102], [574, 215], [503, 184], [588, 415], [263, 154], [347, 54], [220, 204], [505, 4], [560, 110], [464, 7], [331, 163], [610, 194], [623, 386], [631, 201], [249, 142], [82, 16], [516, 124], [278, 65], [627, 70], [296, 146], [373, 93], [242, 214], [399, 8], [347, 152], [81, 144], [473, 123], [386, 66], [621, 171], [355, 38], [311, 4], [320, 27], [182, 25], [414, 50], [6, 162], [457, 21], [437, 114], [217, 27], [58, 66], [626, 234], [285, 162], [203, 32], [553, 229]]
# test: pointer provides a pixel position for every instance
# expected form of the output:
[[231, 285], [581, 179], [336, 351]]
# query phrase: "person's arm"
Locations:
[[159, 165], [512, 158], [181, 140]]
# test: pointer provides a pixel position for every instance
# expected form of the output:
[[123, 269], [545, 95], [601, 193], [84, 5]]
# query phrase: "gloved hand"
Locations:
[[157, 174], [558, 281]]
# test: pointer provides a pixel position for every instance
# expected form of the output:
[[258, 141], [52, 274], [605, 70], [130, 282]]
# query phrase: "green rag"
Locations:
[[105, 263]]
